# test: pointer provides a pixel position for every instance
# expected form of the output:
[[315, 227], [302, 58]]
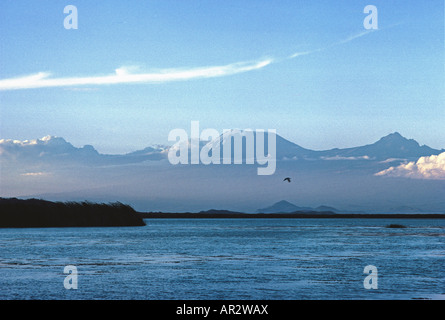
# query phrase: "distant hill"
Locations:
[[223, 214], [217, 211], [327, 208], [35, 213], [284, 206]]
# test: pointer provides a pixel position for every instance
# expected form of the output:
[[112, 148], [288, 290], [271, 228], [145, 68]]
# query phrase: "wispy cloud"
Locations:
[[35, 174], [126, 75], [356, 36], [346, 158], [303, 53], [129, 75], [343, 41]]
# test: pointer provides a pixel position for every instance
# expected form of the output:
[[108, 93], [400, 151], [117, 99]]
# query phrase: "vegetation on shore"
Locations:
[[35, 213]]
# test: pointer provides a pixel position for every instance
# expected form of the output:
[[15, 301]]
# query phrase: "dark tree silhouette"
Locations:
[[35, 213]]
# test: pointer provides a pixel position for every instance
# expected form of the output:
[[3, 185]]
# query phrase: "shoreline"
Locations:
[[300, 215]]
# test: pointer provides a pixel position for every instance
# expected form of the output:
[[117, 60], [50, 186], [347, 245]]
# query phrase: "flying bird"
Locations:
[[287, 179]]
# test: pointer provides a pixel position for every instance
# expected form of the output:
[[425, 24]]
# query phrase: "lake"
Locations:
[[264, 259]]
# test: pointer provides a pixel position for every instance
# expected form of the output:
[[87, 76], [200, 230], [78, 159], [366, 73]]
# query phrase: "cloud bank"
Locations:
[[432, 167], [125, 75]]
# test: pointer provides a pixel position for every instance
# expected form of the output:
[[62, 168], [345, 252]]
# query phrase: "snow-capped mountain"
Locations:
[[230, 140], [47, 150], [392, 146], [52, 148]]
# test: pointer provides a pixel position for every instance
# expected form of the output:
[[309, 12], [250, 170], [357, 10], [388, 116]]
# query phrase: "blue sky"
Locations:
[[347, 94]]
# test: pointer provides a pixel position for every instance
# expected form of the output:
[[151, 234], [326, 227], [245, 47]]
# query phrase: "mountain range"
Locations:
[[284, 206], [392, 146], [393, 174]]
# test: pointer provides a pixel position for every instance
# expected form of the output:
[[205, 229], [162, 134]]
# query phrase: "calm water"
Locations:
[[227, 259]]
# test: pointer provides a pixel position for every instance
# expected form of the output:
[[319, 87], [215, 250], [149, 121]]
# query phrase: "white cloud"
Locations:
[[303, 53], [432, 167], [35, 174], [346, 158], [392, 160], [126, 75], [11, 142]]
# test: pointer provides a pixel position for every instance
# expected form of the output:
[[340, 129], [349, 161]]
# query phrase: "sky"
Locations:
[[132, 72]]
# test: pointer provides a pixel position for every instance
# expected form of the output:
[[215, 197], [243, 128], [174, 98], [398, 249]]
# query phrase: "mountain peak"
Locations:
[[48, 138], [282, 206], [394, 136], [53, 140], [394, 145], [396, 139]]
